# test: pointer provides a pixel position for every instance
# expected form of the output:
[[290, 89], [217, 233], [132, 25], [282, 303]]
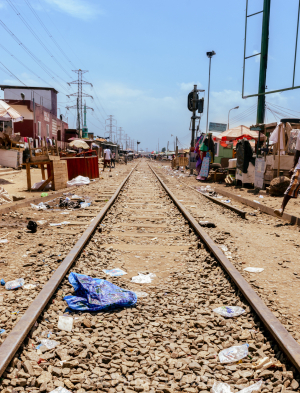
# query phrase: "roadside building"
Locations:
[[38, 106]]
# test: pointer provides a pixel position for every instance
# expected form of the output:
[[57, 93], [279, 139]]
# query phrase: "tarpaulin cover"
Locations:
[[95, 294]]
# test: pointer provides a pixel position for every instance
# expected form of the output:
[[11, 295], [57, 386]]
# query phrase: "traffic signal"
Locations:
[[200, 105], [190, 102]]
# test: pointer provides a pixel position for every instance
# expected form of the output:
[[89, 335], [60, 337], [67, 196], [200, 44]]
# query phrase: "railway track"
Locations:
[[172, 338], [35, 256]]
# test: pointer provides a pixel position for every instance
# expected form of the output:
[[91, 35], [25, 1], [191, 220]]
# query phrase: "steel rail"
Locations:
[[286, 342], [16, 337]]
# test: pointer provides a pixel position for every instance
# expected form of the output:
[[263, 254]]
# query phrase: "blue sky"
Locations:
[[144, 56]]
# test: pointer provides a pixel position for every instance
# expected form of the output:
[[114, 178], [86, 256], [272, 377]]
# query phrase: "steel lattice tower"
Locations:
[[111, 127], [79, 96]]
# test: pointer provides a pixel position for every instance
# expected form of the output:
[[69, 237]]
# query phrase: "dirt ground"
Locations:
[[259, 241]]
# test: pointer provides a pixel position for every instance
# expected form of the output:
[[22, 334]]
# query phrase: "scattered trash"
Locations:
[[233, 354], [38, 184], [29, 286], [41, 222], [32, 226], [228, 254], [115, 272], [2, 331], [2, 282], [18, 283], [256, 201], [264, 363], [261, 196], [84, 205], [223, 247], [143, 278], [78, 181], [221, 387], [254, 269], [3, 241], [207, 224], [229, 311], [44, 194], [252, 388], [60, 389], [155, 238], [50, 344], [60, 223], [40, 206], [226, 201], [141, 294], [96, 294], [65, 323]]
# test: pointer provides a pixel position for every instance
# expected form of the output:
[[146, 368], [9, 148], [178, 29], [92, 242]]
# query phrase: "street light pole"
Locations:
[[209, 55], [237, 107]]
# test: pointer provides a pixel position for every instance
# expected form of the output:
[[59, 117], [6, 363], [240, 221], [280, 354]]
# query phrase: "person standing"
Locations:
[[113, 159], [293, 189], [107, 159]]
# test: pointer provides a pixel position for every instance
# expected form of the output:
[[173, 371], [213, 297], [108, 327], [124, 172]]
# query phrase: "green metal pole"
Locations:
[[263, 63]]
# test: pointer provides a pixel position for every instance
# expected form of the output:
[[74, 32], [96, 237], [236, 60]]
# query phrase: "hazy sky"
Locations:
[[143, 58]]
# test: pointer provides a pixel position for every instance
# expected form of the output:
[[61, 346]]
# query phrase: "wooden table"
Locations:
[[41, 165]]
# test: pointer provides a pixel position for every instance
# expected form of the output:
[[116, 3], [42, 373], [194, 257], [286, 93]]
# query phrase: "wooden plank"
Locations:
[[137, 234], [42, 186], [28, 176], [146, 247]]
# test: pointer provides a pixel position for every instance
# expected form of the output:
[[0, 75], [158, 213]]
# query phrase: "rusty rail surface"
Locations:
[[286, 342], [16, 337]]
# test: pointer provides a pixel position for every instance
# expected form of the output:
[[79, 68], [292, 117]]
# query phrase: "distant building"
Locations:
[[38, 106]]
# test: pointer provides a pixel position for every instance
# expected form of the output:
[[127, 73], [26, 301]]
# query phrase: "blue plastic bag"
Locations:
[[95, 294]]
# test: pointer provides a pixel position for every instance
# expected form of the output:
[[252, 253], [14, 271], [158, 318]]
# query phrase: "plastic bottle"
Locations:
[[18, 283]]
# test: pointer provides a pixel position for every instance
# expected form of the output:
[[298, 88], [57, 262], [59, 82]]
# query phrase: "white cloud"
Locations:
[[118, 90], [189, 86], [82, 9]]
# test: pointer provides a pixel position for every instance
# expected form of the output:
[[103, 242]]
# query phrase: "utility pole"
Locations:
[[168, 146], [195, 105], [79, 95], [137, 146], [109, 128], [261, 101], [120, 136], [176, 151], [209, 55]]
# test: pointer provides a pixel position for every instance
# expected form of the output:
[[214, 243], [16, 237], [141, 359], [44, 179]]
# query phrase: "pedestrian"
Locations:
[[107, 159], [113, 159], [293, 189], [125, 158]]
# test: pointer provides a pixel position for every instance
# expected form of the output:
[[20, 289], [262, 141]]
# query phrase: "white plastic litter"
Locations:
[[29, 286], [261, 196], [42, 222], [256, 201], [60, 223], [3, 241], [50, 344], [221, 387], [233, 354], [143, 278], [229, 311], [254, 269], [252, 388], [228, 254], [223, 247], [78, 181], [38, 184], [60, 389], [141, 294], [40, 206], [19, 282], [84, 205], [65, 323], [114, 272]]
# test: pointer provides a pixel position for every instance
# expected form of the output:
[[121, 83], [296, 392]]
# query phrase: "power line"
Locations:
[[37, 37], [37, 60], [13, 74], [19, 61], [47, 13], [48, 32]]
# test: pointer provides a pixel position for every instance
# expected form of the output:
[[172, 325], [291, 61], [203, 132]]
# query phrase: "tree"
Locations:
[[163, 149]]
